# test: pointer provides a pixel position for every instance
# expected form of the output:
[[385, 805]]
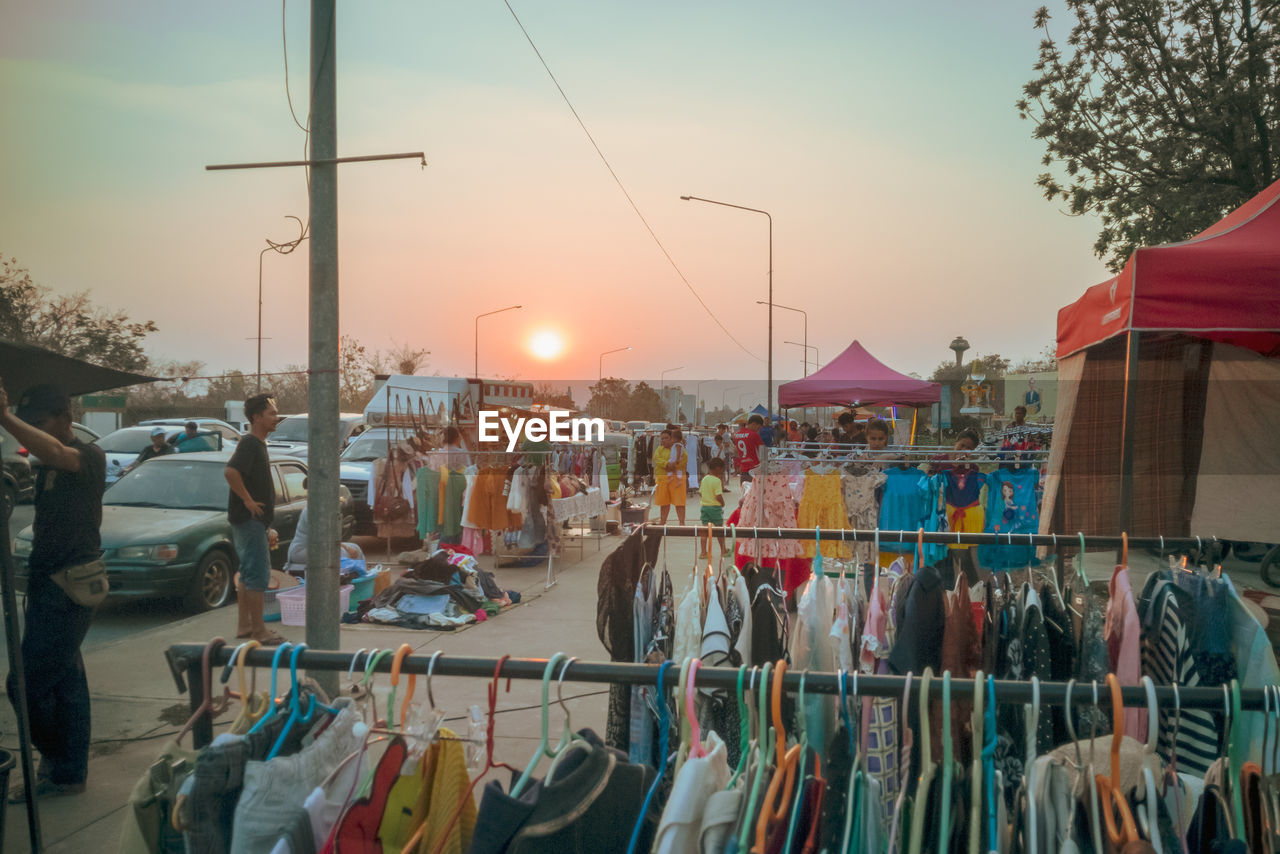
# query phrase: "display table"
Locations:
[[584, 505]]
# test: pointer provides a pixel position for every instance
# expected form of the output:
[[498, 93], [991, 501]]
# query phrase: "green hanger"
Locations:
[[944, 829], [1234, 764], [744, 737], [544, 744], [765, 746], [1080, 562]]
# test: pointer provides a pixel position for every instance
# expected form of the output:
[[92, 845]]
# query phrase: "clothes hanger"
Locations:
[[1112, 797], [765, 747], [927, 768], [744, 720], [568, 737], [989, 765], [296, 715], [489, 764], [403, 650], [1149, 816], [1080, 571], [664, 729], [975, 793], [543, 745], [854, 783], [944, 828], [1233, 746], [781, 786], [253, 703], [908, 743], [1033, 723], [696, 748], [797, 801], [210, 705], [275, 669]]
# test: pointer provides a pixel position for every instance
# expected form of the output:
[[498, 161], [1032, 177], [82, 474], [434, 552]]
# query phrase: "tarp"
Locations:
[[857, 377], [25, 365], [1223, 284]]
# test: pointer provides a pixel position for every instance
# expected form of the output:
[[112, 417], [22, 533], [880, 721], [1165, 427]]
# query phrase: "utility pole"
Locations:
[[324, 522]]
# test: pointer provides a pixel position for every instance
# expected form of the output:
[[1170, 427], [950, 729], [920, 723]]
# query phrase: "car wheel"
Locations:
[[211, 585], [1270, 567]]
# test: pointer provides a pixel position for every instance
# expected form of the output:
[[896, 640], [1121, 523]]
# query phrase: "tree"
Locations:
[[995, 366], [610, 398], [645, 404], [404, 359], [355, 374], [546, 395], [1046, 361], [1161, 113], [69, 323]]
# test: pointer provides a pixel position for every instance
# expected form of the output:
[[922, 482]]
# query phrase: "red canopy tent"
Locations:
[[1173, 367], [857, 377]]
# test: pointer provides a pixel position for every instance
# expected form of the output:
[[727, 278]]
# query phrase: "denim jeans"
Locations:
[[57, 690], [254, 553]]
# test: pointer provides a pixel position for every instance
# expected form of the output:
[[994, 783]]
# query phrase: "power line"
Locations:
[[623, 188]]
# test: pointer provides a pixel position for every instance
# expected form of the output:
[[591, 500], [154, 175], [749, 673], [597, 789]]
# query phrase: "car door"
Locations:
[[291, 497]]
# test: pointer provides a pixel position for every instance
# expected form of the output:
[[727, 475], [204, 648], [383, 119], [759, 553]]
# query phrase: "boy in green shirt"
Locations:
[[712, 489]]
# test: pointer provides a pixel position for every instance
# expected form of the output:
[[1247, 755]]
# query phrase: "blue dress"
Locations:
[[1011, 508], [904, 505]]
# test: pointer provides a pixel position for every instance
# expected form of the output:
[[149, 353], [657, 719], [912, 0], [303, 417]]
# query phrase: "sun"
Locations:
[[546, 344]]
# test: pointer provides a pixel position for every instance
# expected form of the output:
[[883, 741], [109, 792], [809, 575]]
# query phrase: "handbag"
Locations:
[[85, 583], [390, 506]]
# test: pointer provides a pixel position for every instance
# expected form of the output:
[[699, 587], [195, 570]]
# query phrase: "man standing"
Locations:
[[250, 509], [68, 513], [747, 443], [158, 448]]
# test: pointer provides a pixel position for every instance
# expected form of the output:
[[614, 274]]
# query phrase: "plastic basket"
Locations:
[[293, 604], [271, 605], [362, 589]]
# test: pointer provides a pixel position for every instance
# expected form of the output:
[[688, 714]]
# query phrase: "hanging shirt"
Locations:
[[903, 504], [1011, 509], [748, 443]]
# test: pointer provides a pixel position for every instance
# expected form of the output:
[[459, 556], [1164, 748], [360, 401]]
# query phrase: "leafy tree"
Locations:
[[355, 374], [69, 323], [645, 403], [995, 366], [610, 398], [1046, 361], [1161, 114]]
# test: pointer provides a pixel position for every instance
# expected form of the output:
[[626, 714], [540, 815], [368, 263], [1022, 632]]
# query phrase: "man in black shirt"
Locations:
[[250, 509], [158, 448], [69, 484]]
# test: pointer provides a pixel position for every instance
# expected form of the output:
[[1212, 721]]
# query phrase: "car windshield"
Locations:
[[130, 440], [174, 483], [292, 429], [372, 445]]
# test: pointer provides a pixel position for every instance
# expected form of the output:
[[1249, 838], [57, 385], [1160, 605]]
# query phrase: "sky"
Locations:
[[882, 139]]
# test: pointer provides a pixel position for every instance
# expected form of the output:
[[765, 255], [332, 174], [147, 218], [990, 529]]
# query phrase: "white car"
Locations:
[[123, 446], [290, 436]]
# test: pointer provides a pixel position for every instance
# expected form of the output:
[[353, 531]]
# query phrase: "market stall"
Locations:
[[1169, 389]]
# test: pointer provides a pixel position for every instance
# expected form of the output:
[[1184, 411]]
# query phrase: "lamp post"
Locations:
[[664, 387], [806, 328], [477, 335], [283, 249], [817, 358], [768, 397], [724, 393], [602, 355]]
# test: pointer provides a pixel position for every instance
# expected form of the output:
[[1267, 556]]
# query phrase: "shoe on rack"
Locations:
[[45, 788]]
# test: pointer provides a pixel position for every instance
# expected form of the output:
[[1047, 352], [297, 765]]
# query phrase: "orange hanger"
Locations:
[[1109, 794], [404, 650], [774, 809], [919, 561]]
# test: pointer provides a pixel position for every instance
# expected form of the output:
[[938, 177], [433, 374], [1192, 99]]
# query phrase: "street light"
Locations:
[[664, 386], [762, 302], [697, 395], [602, 355], [768, 397], [477, 336], [283, 249], [726, 392], [817, 358]]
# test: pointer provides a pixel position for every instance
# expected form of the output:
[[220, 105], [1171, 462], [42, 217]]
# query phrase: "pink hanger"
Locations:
[[696, 749]]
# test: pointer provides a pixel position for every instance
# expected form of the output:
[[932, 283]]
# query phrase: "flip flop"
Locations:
[[271, 639]]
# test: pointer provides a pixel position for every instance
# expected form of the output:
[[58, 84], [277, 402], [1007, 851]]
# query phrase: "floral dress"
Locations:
[[768, 504], [862, 508]]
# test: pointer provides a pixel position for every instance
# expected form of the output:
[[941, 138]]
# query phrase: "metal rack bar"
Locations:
[[934, 537], [188, 657]]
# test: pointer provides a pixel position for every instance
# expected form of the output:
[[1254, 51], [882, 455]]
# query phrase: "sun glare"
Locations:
[[546, 344]]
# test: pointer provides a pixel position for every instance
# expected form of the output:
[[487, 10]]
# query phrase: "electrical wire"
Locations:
[[623, 188]]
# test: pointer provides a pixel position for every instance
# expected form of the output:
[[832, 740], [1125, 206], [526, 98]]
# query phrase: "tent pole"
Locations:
[[13, 638], [1126, 432]]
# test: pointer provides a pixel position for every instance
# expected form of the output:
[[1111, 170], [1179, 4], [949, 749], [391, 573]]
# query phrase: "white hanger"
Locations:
[[1150, 815]]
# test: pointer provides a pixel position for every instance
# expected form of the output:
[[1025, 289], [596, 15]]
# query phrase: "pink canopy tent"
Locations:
[[857, 377]]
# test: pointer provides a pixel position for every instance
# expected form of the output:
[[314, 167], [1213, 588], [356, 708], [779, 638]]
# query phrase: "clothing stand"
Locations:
[[185, 660], [13, 637]]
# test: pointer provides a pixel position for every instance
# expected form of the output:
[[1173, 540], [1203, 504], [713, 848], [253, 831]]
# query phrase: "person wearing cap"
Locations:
[[158, 448], [70, 480], [251, 507]]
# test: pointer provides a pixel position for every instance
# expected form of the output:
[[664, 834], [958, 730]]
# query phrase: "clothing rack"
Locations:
[[185, 664]]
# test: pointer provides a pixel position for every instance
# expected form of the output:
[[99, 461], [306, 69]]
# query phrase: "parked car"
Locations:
[[85, 434], [230, 435], [16, 481], [636, 426], [123, 446], [165, 530], [290, 436], [356, 468]]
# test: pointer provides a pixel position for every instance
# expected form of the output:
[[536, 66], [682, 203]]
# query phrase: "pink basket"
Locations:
[[293, 604]]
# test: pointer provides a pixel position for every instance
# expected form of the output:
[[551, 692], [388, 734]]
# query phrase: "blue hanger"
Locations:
[[275, 668], [989, 762], [663, 729], [296, 715]]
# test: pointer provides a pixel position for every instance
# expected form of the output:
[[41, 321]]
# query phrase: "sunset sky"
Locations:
[[882, 138]]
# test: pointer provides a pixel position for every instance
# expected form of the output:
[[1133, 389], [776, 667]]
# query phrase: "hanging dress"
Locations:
[[1011, 509], [863, 508], [768, 504], [823, 507]]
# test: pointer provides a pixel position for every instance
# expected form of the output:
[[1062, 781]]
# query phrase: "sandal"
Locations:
[[271, 638]]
